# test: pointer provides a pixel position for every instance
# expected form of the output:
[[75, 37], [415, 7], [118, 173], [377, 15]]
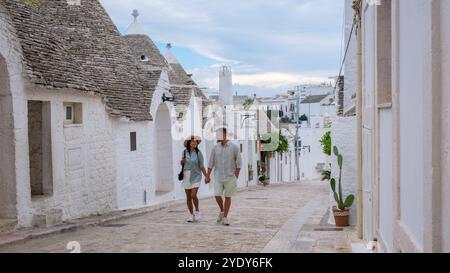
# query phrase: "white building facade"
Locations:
[[406, 49], [81, 134]]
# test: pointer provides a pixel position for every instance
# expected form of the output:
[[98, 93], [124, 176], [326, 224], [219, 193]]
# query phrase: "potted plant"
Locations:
[[341, 212], [263, 180]]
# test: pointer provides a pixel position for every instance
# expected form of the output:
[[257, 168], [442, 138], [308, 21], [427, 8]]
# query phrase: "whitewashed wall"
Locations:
[[83, 158], [445, 36], [386, 195], [368, 122], [343, 136], [411, 81], [283, 167], [13, 138], [310, 158], [312, 110], [134, 168], [413, 214], [350, 62]]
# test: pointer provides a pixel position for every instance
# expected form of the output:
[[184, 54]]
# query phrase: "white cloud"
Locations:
[[267, 43], [264, 82], [274, 79]]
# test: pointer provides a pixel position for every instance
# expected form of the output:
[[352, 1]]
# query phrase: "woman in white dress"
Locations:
[[193, 161]]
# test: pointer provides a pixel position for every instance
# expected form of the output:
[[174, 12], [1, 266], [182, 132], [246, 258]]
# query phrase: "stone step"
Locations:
[[48, 218], [7, 225]]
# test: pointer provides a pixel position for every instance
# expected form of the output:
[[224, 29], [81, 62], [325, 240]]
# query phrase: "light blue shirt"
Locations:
[[225, 159], [194, 163]]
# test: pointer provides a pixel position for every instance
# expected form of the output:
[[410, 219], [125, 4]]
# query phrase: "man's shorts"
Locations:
[[225, 188]]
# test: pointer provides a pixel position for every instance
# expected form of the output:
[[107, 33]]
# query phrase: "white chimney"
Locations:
[[225, 86]]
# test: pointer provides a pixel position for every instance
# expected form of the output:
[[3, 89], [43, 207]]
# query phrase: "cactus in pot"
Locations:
[[341, 212]]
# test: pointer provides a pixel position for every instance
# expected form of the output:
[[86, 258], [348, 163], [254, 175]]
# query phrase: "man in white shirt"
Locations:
[[226, 161]]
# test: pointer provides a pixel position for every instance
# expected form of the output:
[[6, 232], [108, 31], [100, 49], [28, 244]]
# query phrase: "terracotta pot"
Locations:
[[341, 217]]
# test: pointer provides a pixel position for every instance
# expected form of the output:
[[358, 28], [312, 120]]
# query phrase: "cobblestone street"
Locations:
[[279, 218]]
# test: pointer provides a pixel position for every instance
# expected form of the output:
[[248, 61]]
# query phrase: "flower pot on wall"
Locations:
[[341, 217]]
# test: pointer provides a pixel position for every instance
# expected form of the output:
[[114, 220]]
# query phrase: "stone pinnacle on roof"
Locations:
[[135, 28], [135, 14], [169, 55]]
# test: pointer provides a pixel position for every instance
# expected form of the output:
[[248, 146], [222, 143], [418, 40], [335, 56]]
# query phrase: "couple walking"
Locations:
[[226, 162]]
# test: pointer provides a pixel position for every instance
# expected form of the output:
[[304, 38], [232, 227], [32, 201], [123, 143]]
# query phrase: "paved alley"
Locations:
[[284, 218]]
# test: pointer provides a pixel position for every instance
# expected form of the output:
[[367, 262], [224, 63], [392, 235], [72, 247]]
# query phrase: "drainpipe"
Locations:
[[359, 93]]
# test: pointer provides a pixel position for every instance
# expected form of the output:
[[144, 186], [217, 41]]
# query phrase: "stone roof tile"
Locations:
[[143, 46], [178, 76]]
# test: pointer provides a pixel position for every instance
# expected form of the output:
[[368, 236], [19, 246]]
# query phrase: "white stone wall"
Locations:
[[411, 129], [309, 158], [445, 36], [350, 62], [134, 168], [163, 147], [386, 180], [311, 154], [311, 110], [283, 167], [80, 186], [83, 157], [343, 136], [11, 95], [410, 140]]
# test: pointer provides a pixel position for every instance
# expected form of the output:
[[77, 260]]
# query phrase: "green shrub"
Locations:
[[326, 143]]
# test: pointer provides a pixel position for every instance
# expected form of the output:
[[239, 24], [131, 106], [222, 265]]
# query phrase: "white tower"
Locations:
[[226, 86]]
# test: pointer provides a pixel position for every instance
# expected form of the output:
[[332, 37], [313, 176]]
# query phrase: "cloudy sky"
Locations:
[[271, 45]]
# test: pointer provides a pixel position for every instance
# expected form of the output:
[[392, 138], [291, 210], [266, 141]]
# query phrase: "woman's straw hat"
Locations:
[[197, 138]]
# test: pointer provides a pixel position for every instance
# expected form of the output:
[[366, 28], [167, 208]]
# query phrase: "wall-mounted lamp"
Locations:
[[247, 117], [169, 99]]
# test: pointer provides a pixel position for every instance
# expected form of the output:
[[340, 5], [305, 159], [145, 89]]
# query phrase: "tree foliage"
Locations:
[[326, 143], [274, 143]]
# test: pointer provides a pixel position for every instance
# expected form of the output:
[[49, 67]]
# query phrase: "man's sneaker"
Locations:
[[197, 216], [225, 221], [219, 219], [190, 219]]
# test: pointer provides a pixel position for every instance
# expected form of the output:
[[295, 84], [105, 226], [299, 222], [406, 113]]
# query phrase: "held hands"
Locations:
[[207, 179], [183, 161]]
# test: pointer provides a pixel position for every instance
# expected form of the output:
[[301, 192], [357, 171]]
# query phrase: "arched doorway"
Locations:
[[7, 170], [163, 147]]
